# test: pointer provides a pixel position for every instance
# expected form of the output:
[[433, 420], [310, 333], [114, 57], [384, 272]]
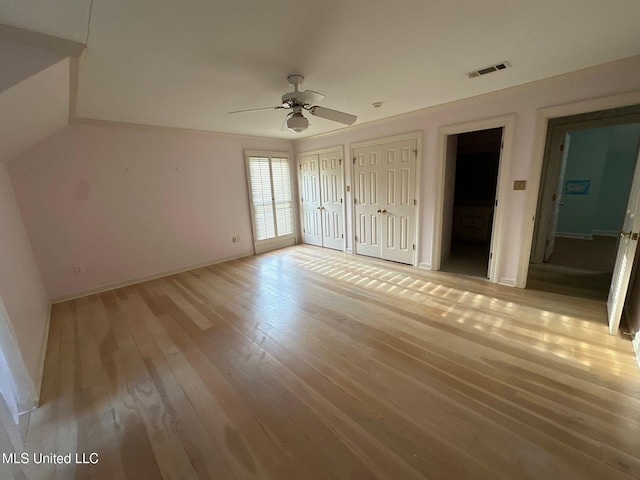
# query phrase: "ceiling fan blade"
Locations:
[[309, 97], [334, 115], [257, 109]]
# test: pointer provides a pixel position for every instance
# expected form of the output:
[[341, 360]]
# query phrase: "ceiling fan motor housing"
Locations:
[[289, 99]]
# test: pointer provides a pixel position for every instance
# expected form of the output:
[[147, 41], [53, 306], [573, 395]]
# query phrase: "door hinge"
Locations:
[[414, 246], [631, 235], [415, 202], [356, 238], [547, 243], [354, 160], [304, 231], [300, 167], [342, 235], [562, 147], [415, 152], [490, 255], [496, 202], [501, 145], [355, 200], [340, 200], [339, 161]]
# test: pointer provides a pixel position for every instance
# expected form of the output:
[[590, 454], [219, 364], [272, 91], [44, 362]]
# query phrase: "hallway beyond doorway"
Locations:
[[578, 267]]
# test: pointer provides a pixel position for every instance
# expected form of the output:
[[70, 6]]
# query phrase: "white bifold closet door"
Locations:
[[321, 192], [385, 200]]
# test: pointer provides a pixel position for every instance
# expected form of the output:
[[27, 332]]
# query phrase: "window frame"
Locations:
[[278, 240]]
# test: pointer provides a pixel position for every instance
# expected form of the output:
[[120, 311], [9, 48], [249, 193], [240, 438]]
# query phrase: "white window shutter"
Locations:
[[271, 197]]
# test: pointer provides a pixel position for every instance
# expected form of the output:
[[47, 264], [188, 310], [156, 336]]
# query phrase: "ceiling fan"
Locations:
[[298, 101]]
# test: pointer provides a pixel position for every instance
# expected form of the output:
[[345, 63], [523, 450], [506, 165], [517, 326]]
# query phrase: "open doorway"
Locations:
[[471, 179], [588, 170]]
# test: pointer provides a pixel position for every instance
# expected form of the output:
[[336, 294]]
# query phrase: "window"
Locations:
[[271, 199]]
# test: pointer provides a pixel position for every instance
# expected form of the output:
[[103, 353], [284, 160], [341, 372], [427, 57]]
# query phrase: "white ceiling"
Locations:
[[187, 63]]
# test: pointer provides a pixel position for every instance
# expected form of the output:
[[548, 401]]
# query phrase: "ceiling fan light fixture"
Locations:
[[297, 123]]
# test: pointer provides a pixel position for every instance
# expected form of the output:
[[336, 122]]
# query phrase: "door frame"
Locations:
[[323, 151], [554, 131], [417, 136], [507, 123], [540, 136]]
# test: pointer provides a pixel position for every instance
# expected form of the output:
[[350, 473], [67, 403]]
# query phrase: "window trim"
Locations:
[[279, 241]]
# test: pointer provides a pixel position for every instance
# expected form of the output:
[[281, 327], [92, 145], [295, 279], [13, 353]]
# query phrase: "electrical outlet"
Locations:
[[235, 239], [78, 270]]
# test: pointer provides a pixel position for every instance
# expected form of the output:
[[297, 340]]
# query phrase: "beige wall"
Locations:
[[22, 292], [128, 203]]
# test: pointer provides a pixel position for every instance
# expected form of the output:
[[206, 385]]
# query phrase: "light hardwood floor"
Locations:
[[308, 363]]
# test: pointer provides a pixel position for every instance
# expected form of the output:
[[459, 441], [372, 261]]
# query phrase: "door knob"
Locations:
[[631, 235], [379, 211], [384, 211]]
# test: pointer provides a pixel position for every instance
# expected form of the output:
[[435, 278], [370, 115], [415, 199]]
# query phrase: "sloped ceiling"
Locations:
[[33, 109], [186, 64]]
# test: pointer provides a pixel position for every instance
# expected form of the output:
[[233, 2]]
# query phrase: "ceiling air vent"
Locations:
[[485, 70]]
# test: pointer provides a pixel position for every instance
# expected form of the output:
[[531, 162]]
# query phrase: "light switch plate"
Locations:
[[519, 184]]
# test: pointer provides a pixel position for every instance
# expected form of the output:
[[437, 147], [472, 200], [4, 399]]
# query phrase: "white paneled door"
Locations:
[[310, 200], [321, 188], [385, 200], [626, 254]]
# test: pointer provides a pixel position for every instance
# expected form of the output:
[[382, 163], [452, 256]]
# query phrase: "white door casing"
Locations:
[[502, 191], [626, 254]]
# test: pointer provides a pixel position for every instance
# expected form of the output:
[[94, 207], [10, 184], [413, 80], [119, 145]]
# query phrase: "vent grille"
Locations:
[[485, 70]]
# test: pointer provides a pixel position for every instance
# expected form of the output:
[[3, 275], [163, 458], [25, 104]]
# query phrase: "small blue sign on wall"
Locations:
[[577, 187]]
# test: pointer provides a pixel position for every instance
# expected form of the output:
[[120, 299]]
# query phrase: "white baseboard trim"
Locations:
[[43, 355], [349, 250], [579, 236], [605, 233], [426, 266], [126, 283]]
